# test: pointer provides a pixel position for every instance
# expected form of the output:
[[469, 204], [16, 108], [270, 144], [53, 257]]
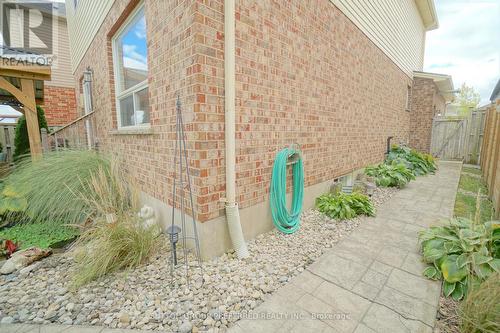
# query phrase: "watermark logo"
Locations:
[[27, 27]]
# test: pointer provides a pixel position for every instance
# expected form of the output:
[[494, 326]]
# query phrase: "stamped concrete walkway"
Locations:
[[371, 281]]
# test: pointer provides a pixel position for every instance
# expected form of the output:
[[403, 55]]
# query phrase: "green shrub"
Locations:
[[480, 311], [344, 206], [21, 139], [57, 187], [463, 253], [40, 235], [419, 163], [392, 174]]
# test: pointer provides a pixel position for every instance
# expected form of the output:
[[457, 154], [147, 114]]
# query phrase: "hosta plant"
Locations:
[[344, 206], [391, 174], [462, 253], [419, 163]]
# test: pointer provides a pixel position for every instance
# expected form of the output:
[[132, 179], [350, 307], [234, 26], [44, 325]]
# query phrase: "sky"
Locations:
[[467, 44], [134, 44]]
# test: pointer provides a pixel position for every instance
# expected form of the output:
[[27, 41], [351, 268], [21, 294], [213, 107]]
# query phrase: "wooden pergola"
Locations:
[[26, 73]]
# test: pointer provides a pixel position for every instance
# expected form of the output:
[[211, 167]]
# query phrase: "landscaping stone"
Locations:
[[277, 277], [23, 258], [148, 297]]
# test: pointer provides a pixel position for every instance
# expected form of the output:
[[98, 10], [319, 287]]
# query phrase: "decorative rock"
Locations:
[[31, 268], [23, 258], [186, 327], [148, 298], [124, 319], [7, 320], [208, 321]]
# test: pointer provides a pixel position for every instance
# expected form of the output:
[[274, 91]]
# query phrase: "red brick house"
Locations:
[[334, 76], [430, 95]]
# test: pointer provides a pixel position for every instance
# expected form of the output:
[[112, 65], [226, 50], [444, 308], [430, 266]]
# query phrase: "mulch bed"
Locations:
[[447, 319]]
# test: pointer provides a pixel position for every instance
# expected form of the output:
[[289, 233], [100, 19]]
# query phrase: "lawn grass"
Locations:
[[471, 170], [39, 234], [465, 206], [472, 184]]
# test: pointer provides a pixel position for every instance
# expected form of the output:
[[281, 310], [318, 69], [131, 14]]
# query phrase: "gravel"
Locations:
[[148, 297], [447, 316]]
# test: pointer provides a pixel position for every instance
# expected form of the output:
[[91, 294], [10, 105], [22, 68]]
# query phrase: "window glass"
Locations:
[[127, 111], [142, 107], [131, 71], [132, 50]]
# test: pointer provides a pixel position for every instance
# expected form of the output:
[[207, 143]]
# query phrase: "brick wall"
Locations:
[[305, 74], [173, 67], [423, 108], [59, 105]]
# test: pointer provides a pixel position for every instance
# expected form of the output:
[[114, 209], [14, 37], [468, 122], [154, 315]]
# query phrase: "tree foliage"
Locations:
[[467, 99], [21, 140]]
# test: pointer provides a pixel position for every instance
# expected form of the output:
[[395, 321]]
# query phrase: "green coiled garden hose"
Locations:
[[286, 222]]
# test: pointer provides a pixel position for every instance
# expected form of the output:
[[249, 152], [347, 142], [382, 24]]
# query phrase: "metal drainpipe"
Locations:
[[232, 211]]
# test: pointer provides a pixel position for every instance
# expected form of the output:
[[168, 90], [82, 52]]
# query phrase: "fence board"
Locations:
[[490, 154], [7, 132], [458, 138]]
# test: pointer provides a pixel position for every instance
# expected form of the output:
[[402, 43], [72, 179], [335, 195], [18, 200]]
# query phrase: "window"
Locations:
[[131, 71], [87, 103], [408, 98]]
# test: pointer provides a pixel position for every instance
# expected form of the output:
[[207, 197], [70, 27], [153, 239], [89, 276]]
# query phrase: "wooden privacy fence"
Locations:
[[490, 154], [7, 132], [455, 138]]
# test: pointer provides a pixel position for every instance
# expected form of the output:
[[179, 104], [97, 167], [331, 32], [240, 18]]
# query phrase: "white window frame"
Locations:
[[134, 89], [87, 105]]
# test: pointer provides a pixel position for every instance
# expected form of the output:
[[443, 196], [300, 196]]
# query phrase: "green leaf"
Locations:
[[479, 259], [495, 264], [463, 260], [483, 271], [458, 292], [451, 271], [431, 273], [448, 288]]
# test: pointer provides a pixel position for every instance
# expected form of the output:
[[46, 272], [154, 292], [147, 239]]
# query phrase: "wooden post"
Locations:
[[28, 88]]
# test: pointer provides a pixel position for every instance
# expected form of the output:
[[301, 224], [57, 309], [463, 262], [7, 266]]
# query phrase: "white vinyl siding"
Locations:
[[61, 69], [84, 24], [60, 65], [395, 26]]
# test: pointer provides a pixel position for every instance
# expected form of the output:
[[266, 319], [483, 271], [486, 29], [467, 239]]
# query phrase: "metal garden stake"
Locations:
[[183, 199]]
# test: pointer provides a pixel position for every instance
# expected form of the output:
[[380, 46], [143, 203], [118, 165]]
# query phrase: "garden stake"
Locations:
[[180, 184]]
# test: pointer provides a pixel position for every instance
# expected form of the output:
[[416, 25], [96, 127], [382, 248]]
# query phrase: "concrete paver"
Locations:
[[374, 276]]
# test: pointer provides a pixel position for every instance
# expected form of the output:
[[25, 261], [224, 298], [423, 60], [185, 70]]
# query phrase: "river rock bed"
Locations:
[[149, 298]]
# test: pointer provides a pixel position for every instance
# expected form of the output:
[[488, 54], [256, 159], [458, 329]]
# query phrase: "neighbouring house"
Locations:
[[431, 93], [337, 77], [59, 101]]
